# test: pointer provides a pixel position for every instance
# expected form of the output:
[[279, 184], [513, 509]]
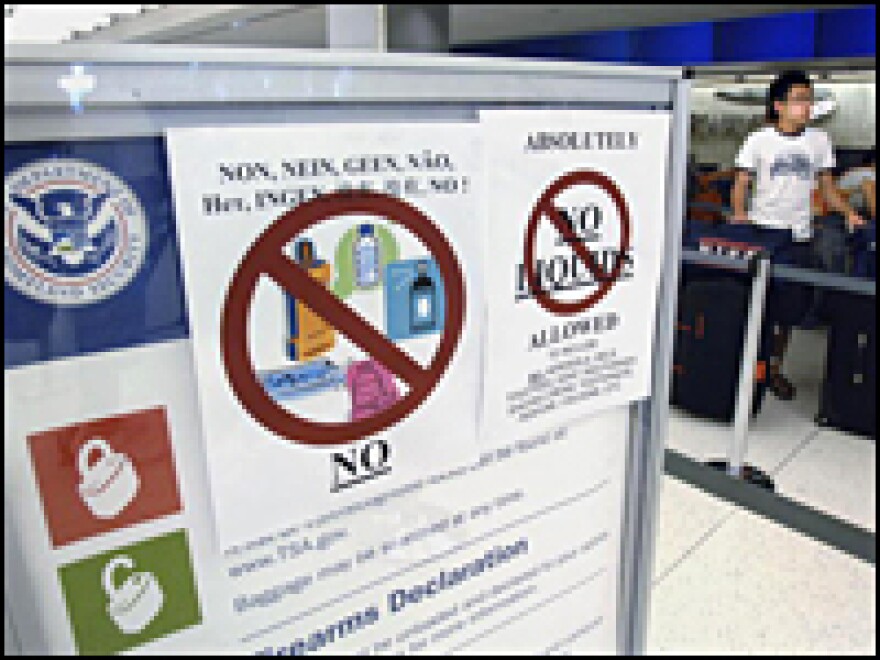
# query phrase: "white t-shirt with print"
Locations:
[[785, 169]]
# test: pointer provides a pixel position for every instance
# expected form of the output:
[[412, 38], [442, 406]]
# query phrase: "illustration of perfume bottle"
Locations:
[[366, 257], [422, 300], [308, 334]]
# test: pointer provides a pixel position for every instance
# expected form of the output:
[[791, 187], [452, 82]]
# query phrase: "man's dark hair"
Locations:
[[779, 89]]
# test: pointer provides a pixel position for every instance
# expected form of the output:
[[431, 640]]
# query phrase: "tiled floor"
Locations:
[[728, 581]]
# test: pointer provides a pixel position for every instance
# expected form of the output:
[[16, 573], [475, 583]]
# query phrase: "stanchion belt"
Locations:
[[787, 273]]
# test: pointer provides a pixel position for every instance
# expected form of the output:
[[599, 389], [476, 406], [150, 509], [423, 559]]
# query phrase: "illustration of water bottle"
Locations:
[[366, 257], [422, 300]]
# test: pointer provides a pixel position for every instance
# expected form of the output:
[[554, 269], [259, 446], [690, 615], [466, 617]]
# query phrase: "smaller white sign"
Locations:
[[575, 235]]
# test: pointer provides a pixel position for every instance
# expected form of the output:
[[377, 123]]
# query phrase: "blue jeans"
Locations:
[[788, 302]]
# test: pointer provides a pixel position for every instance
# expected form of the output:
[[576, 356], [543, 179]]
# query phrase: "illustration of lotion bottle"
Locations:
[[366, 257], [308, 334], [422, 301]]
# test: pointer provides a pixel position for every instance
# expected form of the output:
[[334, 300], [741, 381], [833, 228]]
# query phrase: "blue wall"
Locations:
[[684, 44], [773, 38], [610, 46], [778, 37], [847, 33]]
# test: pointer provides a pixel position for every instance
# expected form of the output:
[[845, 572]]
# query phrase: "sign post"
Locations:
[[571, 317]]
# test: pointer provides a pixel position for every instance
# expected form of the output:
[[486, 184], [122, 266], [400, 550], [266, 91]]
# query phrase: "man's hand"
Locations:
[[854, 220], [832, 195]]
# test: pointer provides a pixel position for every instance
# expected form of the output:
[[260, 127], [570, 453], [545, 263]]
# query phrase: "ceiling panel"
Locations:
[[297, 26], [303, 25], [475, 23]]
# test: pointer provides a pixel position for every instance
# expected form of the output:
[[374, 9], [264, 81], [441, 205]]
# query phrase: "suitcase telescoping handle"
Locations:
[[759, 267]]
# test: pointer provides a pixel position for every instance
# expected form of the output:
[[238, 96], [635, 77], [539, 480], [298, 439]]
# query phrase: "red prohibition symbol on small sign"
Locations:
[[266, 258], [546, 207]]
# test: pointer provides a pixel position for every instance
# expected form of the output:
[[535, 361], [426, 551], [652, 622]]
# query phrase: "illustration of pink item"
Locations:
[[372, 387], [108, 484]]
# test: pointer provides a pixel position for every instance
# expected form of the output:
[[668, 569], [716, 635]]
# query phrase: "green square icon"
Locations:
[[132, 595]]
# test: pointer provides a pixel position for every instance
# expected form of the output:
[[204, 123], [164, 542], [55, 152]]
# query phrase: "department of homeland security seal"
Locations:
[[75, 233]]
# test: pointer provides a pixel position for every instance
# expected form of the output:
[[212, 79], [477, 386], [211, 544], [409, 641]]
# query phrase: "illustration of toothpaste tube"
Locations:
[[302, 380], [308, 335]]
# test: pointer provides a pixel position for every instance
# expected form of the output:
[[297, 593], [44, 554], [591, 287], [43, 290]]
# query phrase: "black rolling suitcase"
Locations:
[[849, 392], [708, 348], [712, 317]]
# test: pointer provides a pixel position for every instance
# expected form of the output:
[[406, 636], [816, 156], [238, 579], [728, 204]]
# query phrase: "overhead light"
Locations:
[[77, 84]]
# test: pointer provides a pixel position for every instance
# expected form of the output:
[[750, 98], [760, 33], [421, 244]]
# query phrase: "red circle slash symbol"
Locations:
[[266, 257], [545, 207]]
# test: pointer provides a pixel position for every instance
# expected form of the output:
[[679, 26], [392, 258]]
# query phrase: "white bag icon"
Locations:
[[135, 603], [109, 485]]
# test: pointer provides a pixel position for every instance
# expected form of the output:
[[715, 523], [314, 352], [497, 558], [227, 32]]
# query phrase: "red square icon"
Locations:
[[105, 474]]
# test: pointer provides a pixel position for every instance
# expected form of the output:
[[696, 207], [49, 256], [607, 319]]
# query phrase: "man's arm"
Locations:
[[869, 189], [836, 202], [738, 196]]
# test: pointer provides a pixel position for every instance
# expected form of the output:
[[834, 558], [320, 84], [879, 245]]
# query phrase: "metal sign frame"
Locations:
[[91, 91]]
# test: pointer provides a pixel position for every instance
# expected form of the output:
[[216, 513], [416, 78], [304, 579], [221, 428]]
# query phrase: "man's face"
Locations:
[[796, 107]]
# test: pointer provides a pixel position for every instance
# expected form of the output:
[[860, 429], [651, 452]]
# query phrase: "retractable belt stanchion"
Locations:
[[735, 466], [760, 268]]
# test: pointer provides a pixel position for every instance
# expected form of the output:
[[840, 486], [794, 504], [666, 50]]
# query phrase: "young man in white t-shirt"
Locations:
[[785, 159]]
